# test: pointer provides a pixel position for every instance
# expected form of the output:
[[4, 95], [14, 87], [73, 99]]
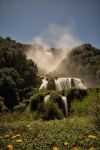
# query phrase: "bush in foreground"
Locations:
[[49, 111]]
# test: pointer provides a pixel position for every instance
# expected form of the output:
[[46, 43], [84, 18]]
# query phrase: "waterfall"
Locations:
[[79, 84], [46, 99], [48, 56], [65, 104], [62, 83], [44, 84], [46, 62], [65, 83]]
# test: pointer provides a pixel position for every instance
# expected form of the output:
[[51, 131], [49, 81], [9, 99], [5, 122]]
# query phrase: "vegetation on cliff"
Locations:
[[82, 61]]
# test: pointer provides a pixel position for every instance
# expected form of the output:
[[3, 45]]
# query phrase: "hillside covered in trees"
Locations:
[[82, 61], [18, 75]]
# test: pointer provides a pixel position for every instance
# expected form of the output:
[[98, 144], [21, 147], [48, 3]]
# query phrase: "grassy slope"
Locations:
[[76, 133]]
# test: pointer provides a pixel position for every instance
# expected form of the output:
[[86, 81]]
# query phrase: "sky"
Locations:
[[52, 23]]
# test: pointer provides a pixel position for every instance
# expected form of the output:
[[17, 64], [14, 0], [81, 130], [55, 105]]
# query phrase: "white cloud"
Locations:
[[58, 36], [39, 40]]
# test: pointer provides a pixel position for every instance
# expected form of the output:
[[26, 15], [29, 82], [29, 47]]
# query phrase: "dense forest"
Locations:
[[82, 61], [18, 75]]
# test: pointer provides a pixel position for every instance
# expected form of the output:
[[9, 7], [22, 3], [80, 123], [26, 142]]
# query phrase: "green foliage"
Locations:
[[2, 106], [8, 39], [56, 97], [17, 74], [36, 99], [21, 107], [10, 43], [26, 101], [81, 130], [51, 84], [66, 134], [72, 94], [82, 61], [11, 72], [88, 106], [9, 91], [49, 111], [32, 92]]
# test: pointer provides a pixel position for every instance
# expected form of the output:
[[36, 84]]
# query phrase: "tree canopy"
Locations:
[[82, 61], [17, 74]]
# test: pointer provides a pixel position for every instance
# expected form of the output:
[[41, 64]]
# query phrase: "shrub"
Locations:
[[49, 111], [9, 91], [21, 107], [36, 99], [88, 106], [3, 108], [72, 94], [56, 97], [26, 101], [51, 84], [32, 92]]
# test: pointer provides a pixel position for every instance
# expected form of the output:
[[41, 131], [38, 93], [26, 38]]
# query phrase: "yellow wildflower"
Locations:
[[19, 140], [91, 148], [10, 147], [87, 139], [14, 136], [17, 135], [6, 135], [48, 122], [28, 126], [75, 148], [92, 136], [66, 143], [55, 148]]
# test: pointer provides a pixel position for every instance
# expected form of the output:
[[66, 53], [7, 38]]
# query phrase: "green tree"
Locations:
[[9, 91], [82, 61], [98, 76]]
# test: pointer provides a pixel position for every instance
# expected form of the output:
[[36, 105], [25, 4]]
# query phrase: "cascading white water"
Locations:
[[64, 100], [79, 84], [62, 83], [44, 84], [47, 61], [46, 99], [48, 56], [65, 83]]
